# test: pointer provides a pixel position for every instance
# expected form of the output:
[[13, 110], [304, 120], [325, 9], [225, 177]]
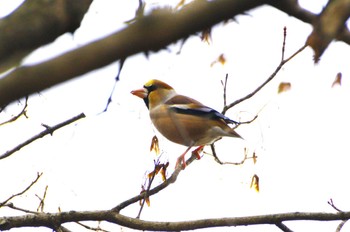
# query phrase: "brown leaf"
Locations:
[[206, 35], [157, 168], [255, 183], [221, 59], [163, 171], [254, 157], [148, 202], [284, 87], [155, 145], [337, 80]]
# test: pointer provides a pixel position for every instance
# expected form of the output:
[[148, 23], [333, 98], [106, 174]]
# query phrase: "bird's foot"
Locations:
[[197, 151], [181, 160]]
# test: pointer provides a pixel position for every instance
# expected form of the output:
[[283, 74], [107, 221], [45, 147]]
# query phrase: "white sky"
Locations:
[[300, 136]]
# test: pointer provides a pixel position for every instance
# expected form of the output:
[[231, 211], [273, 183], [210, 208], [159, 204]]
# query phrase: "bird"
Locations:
[[183, 120]]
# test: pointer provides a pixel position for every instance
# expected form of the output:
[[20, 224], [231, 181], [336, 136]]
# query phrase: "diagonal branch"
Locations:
[[22, 112], [156, 189], [270, 78], [35, 23], [22, 192], [47, 131]]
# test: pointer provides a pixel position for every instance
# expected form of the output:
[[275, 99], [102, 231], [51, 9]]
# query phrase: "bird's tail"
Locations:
[[235, 134]]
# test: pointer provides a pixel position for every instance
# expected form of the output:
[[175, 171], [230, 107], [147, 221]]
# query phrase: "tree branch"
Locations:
[[35, 23], [270, 78], [47, 131], [22, 112], [51, 219], [22, 192], [148, 33], [292, 8]]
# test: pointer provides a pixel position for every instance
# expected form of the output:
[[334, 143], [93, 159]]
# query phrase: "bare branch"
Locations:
[[216, 158], [50, 219], [270, 78], [35, 23], [92, 228], [47, 131], [42, 200], [22, 112], [342, 223], [224, 85], [283, 227], [148, 33], [146, 194], [121, 64], [293, 8], [12, 206], [23, 191]]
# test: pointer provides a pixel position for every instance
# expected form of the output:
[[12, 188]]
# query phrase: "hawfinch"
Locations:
[[183, 120]]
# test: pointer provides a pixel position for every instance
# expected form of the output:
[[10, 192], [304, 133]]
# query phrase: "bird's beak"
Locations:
[[141, 93]]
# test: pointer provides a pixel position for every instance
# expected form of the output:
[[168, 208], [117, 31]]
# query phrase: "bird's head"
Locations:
[[154, 92]]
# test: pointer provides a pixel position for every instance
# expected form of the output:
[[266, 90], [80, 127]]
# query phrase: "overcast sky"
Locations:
[[300, 136]]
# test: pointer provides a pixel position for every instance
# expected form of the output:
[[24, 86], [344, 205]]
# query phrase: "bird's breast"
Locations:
[[185, 129]]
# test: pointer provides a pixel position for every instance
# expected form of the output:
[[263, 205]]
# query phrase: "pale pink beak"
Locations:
[[141, 93]]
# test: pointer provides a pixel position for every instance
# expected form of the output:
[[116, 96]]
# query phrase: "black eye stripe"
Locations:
[[150, 88]]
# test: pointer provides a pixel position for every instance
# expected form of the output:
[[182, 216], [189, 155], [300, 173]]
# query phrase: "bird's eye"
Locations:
[[150, 88]]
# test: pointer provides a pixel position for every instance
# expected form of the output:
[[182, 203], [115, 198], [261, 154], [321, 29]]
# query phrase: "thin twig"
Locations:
[[247, 122], [282, 63], [117, 78], [91, 228], [342, 223], [23, 191], [47, 131], [224, 84], [22, 112], [331, 203], [42, 200], [12, 206], [216, 158], [284, 42], [146, 195], [283, 227]]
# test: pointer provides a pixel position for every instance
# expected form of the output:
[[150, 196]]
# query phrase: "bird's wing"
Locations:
[[185, 105]]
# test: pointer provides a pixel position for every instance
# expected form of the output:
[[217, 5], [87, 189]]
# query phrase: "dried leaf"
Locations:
[[254, 157], [206, 35], [152, 174], [221, 59], [255, 183], [337, 80], [155, 145], [284, 87], [148, 202], [163, 171]]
